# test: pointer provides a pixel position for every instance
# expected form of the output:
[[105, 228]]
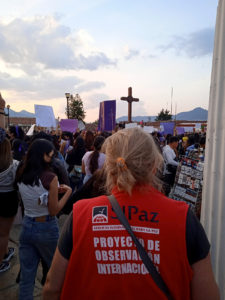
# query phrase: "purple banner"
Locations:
[[69, 125], [107, 115], [168, 127], [180, 130]]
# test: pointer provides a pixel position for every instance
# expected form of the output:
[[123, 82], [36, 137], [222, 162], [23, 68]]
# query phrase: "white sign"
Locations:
[[44, 116], [198, 126], [81, 125], [131, 125], [188, 129], [149, 129], [31, 130]]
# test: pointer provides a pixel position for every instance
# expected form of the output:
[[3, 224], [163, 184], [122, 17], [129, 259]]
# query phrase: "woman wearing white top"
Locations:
[[93, 160], [38, 187]]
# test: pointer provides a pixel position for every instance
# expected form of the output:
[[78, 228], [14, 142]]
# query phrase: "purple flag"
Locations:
[[180, 130], [168, 127], [107, 115], [69, 125]]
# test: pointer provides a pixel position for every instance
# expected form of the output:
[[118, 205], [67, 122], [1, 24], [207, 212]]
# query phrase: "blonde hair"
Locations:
[[131, 158]]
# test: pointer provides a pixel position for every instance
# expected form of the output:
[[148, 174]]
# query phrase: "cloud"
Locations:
[[130, 53], [45, 43], [93, 100], [91, 85], [46, 85], [196, 44]]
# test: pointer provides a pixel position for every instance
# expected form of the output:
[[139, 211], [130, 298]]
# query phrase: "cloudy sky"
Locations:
[[98, 48]]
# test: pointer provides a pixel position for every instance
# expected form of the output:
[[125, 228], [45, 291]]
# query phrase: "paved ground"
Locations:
[[8, 286]]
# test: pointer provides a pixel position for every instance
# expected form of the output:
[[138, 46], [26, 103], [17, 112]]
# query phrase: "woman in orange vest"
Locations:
[[96, 257]]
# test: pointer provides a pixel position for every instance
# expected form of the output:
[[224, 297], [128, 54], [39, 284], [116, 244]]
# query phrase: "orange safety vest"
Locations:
[[105, 264]]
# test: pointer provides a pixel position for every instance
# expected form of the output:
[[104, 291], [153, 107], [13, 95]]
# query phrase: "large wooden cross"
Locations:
[[129, 99]]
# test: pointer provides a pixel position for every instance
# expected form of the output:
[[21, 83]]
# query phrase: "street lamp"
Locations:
[[67, 98], [8, 107]]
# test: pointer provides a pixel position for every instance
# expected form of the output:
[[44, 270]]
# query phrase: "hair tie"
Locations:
[[121, 163]]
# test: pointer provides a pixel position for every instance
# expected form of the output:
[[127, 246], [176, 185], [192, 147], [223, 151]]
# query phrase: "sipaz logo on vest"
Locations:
[[100, 214]]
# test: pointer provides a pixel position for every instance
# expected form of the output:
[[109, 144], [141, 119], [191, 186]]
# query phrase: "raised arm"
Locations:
[[54, 206]]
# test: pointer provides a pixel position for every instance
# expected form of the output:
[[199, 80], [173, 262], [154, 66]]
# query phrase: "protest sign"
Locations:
[[70, 125], [149, 129], [168, 127], [188, 129], [44, 116], [107, 115], [31, 130], [180, 130]]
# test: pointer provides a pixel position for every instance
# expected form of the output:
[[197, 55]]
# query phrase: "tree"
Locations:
[[76, 108], [164, 115]]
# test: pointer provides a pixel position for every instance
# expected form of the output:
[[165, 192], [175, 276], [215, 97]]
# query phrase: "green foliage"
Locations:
[[76, 108], [164, 115]]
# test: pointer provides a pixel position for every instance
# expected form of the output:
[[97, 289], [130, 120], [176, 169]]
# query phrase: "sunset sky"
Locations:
[[98, 48]]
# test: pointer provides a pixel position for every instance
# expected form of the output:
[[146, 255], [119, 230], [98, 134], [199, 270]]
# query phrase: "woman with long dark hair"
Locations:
[[38, 187], [93, 160], [89, 140]]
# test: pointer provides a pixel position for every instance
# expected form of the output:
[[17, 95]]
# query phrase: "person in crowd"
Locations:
[[74, 162], [8, 199], [156, 136], [94, 187], [39, 188], [57, 164], [19, 146], [190, 143], [18, 149], [170, 163], [89, 140], [74, 157], [93, 160], [66, 143], [16, 132], [91, 262]]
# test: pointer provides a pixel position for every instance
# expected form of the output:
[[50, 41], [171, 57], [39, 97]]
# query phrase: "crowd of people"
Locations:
[[47, 174]]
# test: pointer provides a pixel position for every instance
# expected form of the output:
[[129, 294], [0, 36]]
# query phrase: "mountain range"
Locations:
[[197, 114]]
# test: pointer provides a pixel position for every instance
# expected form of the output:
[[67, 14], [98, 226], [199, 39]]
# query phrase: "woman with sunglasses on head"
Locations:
[[96, 258], [38, 187]]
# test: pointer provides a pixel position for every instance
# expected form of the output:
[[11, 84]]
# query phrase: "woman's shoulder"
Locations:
[[46, 178], [87, 154]]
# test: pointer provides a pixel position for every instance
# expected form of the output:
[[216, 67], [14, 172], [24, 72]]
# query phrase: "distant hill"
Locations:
[[197, 114], [20, 114]]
